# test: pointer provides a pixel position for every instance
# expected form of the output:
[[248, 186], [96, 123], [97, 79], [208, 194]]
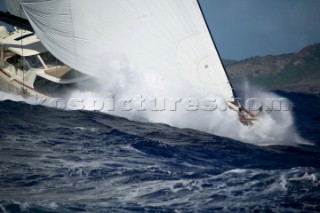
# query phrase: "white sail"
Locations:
[[13, 6], [163, 36]]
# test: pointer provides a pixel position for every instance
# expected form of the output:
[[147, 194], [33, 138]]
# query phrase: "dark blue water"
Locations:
[[77, 161]]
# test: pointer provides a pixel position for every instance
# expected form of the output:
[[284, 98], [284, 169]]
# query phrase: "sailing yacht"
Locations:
[[167, 37], [28, 69]]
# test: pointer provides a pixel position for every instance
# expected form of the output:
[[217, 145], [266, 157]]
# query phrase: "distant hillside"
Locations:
[[297, 72]]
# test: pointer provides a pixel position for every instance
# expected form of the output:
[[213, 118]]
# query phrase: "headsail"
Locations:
[[166, 36]]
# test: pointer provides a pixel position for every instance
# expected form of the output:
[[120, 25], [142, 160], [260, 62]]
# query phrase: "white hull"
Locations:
[[28, 69], [18, 88]]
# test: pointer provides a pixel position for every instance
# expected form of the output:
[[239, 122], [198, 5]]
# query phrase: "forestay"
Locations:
[[164, 36]]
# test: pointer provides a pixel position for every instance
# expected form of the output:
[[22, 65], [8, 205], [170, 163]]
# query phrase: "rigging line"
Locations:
[[56, 66]]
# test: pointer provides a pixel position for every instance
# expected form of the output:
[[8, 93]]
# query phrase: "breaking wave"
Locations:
[[149, 97]]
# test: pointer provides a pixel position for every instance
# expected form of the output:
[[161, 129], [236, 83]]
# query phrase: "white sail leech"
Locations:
[[168, 37]]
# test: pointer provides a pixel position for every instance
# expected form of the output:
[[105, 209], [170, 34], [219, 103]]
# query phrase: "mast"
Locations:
[[211, 35]]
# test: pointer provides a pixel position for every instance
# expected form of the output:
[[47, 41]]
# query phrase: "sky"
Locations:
[[247, 28]]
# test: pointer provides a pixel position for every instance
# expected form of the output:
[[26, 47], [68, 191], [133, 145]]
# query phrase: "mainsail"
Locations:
[[163, 36]]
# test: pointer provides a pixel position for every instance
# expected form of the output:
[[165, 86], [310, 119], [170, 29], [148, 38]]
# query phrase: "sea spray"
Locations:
[[181, 104], [153, 97]]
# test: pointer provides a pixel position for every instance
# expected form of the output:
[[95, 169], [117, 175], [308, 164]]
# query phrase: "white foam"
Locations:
[[275, 128], [12, 97]]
